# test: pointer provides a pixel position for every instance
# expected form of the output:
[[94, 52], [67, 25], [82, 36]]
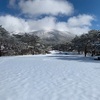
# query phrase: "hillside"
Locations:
[[53, 36], [19, 44]]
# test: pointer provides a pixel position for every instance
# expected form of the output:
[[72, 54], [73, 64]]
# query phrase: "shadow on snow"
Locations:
[[79, 58]]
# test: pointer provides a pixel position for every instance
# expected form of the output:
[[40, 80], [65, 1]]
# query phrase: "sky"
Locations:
[[74, 16]]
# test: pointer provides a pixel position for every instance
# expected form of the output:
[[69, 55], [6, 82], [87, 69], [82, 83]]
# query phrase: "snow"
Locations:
[[49, 77]]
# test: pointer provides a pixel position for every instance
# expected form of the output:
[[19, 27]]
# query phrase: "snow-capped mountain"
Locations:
[[54, 36]]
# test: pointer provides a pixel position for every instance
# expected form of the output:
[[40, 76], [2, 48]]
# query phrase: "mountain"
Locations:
[[54, 36]]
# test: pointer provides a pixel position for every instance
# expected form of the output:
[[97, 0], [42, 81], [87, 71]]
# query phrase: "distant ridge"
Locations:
[[53, 36]]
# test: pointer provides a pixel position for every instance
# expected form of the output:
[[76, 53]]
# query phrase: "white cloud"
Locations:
[[11, 23], [78, 30], [80, 24], [77, 24], [62, 26], [80, 20], [51, 7], [16, 24], [46, 23]]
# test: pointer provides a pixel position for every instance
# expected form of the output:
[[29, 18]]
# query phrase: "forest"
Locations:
[[22, 44]]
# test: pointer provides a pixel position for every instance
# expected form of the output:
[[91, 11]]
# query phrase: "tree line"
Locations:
[[20, 44], [85, 43]]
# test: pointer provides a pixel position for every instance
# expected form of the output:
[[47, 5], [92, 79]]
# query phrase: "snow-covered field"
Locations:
[[49, 77]]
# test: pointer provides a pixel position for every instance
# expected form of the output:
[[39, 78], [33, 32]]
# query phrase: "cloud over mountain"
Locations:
[[77, 25], [52, 7], [11, 23], [50, 10]]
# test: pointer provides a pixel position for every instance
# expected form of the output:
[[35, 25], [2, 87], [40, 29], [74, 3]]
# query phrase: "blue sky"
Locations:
[[75, 16], [88, 7]]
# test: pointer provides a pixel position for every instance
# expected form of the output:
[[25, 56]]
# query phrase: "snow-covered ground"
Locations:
[[49, 77]]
